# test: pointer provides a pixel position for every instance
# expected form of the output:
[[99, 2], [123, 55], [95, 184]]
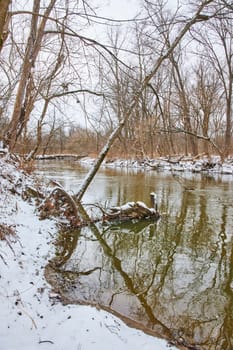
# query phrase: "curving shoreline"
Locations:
[[32, 315]]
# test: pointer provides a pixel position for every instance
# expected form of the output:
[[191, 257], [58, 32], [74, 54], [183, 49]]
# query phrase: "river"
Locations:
[[173, 277]]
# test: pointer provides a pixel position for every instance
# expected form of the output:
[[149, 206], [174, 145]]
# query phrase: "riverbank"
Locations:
[[32, 316], [204, 164]]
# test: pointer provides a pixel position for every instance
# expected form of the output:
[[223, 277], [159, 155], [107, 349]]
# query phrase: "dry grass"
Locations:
[[27, 166], [6, 231]]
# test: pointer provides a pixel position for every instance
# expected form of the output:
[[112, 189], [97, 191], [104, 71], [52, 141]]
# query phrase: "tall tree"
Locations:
[[216, 43], [24, 101], [4, 16], [206, 103]]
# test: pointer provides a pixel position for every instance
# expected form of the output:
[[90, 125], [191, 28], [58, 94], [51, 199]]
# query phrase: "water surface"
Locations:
[[173, 277]]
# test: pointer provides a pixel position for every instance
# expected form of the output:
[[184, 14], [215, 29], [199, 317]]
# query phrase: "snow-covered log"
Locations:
[[130, 211]]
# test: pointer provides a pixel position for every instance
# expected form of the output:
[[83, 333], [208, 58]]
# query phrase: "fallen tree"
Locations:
[[61, 204], [60, 156], [130, 211]]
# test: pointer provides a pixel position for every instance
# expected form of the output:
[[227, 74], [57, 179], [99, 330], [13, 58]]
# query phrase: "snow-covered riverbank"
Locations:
[[31, 315], [205, 164]]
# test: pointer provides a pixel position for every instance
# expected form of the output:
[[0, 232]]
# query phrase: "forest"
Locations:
[[74, 81], [147, 89]]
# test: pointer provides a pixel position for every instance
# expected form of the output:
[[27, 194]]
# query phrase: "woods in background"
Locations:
[[70, 77]]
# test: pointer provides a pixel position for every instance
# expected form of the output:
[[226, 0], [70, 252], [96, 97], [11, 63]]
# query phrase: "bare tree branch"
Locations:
[[72, 92], [116, 132], [68, 31], [198, 136]]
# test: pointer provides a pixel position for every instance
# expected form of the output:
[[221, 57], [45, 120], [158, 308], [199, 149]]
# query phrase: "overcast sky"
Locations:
[[119, 9], [124, 9]]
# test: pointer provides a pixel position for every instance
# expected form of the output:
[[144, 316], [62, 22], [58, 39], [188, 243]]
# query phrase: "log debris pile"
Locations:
[[61, 204]]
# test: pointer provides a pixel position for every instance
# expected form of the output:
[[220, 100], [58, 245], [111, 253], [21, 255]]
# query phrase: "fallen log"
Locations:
[[61, 204], [60, 156], [131, 211]]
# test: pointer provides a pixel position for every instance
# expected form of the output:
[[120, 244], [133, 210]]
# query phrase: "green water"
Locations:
[[174, 277]]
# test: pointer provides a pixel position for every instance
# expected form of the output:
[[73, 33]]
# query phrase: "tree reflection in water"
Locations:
[[173, 278]]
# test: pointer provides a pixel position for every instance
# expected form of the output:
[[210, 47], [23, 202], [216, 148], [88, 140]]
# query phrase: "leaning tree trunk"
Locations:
[[196, 18], [99, 160]]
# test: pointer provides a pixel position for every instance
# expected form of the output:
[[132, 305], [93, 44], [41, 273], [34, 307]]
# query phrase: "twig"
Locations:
[[45, 341], [4, 261], [27, 314]]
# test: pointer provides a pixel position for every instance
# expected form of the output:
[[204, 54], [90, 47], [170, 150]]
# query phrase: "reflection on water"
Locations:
[[173, 277]]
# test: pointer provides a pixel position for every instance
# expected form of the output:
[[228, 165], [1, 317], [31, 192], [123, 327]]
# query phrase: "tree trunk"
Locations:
[[19, 116], [228, 132], [184, 107], [99, 161], [4, 4]]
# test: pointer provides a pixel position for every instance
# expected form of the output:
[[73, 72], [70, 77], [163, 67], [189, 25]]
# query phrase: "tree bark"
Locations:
[[4, 5]]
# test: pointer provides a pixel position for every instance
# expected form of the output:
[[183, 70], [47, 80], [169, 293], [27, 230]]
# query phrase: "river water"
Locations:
[[173, 277]]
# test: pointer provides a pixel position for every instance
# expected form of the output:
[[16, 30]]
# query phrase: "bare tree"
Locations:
[[35, 74], [206, 103], [24, 97], [216, 43], [4, 19], [197, 17]]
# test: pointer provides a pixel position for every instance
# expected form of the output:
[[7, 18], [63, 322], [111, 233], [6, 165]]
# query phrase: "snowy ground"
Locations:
[[31, 315]]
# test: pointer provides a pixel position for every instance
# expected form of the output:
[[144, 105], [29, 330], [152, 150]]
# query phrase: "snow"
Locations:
[[124, 207], [211, 164], [31, 315]]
